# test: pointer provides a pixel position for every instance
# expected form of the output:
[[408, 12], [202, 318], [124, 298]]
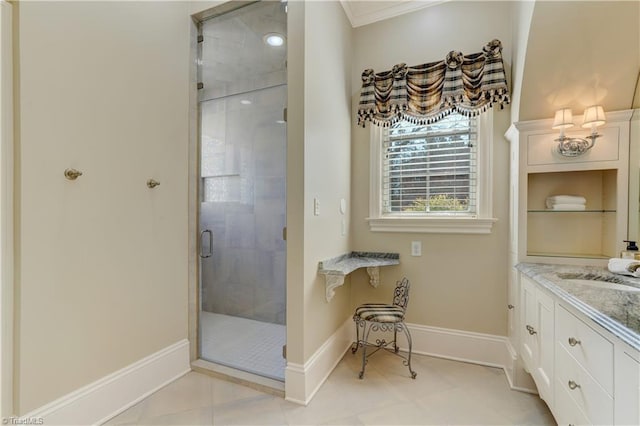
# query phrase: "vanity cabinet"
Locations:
[[538, 337], [584, 373]]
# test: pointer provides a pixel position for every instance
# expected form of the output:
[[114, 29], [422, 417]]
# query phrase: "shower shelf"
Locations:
[[337, 268]]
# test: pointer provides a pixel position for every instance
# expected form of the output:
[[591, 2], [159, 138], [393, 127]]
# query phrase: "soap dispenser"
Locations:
[[631, 251]]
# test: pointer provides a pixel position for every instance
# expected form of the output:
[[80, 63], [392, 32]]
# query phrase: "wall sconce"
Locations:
[[573, 147]]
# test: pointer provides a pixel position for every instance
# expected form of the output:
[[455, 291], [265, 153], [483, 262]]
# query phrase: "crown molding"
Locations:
[[367, 12]]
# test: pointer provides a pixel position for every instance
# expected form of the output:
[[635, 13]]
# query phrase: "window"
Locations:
[[430, 170], [432, 178]]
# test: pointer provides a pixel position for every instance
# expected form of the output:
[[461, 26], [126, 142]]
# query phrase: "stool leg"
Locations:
[[395, 340], [354, 347], [408, 361], [365, 339]]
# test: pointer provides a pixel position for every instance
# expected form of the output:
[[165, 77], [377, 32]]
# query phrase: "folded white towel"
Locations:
[[552, 201], [568, 207], [628, 267], [567, 199]]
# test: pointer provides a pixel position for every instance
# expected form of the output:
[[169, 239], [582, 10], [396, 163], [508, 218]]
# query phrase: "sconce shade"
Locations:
[[563, 119], [594, 116]]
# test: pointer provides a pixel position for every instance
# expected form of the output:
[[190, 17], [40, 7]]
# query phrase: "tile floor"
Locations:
[[445, 392], [242, 343]]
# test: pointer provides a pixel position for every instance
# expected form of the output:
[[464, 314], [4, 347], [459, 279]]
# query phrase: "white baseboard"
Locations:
[[475, 348], [303, 381], [109, 396], [458, 345]]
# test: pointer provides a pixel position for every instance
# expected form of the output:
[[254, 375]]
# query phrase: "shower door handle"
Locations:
[[202, 254]]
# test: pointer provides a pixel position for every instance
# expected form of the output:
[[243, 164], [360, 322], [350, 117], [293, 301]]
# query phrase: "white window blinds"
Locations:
[[430, 169]]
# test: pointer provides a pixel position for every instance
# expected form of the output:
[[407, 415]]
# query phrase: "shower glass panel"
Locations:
[[243, 175]]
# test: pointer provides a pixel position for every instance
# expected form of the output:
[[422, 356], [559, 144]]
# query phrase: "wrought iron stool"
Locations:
[[383, 317]]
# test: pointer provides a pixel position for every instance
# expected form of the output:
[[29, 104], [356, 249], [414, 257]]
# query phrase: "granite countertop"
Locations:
[[617, 311], [336, 269], [347, 263]]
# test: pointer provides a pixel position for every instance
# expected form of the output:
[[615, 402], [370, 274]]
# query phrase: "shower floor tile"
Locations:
[[248, 345]]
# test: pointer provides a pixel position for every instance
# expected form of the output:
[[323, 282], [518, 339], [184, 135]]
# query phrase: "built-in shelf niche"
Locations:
[[574, 234]]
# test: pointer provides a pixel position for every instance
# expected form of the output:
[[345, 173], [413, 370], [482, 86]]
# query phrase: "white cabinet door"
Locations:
[[627, 390], [513, 307], [543, 374], [538, 336], [528, 324]]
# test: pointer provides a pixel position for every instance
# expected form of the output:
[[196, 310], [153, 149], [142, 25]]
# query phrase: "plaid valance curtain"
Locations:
[[423, 94]]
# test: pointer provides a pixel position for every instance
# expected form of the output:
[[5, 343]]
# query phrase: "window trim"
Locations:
[[481, 223]]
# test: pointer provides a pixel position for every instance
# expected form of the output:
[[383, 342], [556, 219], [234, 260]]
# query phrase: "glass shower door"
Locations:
[[243, 178]]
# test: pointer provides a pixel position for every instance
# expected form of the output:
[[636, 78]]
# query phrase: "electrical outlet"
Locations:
[[416, 248]]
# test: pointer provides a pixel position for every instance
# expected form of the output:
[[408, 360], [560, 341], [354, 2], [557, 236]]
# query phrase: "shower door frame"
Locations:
[[194, 285]]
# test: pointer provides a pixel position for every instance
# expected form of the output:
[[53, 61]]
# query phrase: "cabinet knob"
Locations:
[[573, 385], [531, 330], [510, 306], [573, 341]]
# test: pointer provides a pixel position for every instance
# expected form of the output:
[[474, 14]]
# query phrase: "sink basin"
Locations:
[[604, 284]]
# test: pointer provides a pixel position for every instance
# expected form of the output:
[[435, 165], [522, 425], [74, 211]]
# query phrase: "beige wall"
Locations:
[[460, 282], [522, 12], [101, 261], [327, 163], [295, 182], [636, 96], [318, 166], [6, 210], [580, 53]]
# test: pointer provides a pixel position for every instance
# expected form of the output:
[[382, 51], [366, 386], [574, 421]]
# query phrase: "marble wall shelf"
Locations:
[[336, 268], [616, 311]]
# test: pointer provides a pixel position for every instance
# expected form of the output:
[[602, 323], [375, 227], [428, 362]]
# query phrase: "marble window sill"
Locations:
[[432, 225]]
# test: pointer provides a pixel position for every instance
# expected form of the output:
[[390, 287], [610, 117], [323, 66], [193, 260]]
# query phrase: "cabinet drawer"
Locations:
[[566, 410], [592, 399], [590, 349]]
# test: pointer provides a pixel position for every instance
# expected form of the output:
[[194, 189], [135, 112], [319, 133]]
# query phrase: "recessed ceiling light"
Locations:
[[273, 39], [280, 121], [245, 102]]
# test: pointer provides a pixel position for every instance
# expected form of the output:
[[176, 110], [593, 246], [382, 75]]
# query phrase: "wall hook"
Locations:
[[72, 174], [152, 183]]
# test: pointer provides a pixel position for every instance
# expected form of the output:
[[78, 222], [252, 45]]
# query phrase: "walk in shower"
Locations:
[[242, 68]]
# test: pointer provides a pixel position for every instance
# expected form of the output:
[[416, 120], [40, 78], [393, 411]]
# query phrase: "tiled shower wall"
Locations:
[[243, 204]]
